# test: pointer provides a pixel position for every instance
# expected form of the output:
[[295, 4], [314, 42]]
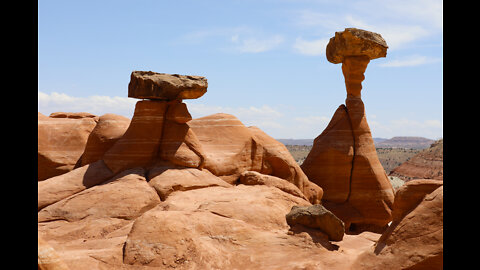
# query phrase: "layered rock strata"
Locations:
[[428, 164], [343, 159]]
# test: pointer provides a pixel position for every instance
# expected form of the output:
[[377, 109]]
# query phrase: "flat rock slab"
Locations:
[[317, 217], [153, 85]]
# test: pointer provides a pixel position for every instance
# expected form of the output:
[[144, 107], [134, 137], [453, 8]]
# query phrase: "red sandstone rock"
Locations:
[[409, 195], [179, 144], [110, 127], [141, 141], [256, 178], [126, 196], [90, 243], [61, 142], [48, 258], [231, 148], [166, 180], [62, 186], [344, 162], [329, 162], [372, 193], [363, 184], [415, 242]]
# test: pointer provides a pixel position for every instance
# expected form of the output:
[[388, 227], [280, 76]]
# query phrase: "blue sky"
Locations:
[[264, 60]]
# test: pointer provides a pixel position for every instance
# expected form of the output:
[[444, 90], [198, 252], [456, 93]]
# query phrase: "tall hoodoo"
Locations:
[[343, 160]]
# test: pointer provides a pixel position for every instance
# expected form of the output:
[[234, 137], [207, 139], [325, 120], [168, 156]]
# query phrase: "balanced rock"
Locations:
[[317, 217], [153, 85], [355, 42], [343, 159], [61, 142]]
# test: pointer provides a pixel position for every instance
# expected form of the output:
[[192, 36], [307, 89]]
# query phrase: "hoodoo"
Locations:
[[343, 159]]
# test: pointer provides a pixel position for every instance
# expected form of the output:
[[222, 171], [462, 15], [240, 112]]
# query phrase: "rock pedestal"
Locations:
[[343, 159], [158, 130]]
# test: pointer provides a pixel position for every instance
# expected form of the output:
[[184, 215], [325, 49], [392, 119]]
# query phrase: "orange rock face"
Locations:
[[414, 242], [61, 142], [344, 162], [141, 141], [231, 148], [409, 195], [110, 127]]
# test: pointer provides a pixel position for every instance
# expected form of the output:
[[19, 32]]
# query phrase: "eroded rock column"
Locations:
[[361, 193]]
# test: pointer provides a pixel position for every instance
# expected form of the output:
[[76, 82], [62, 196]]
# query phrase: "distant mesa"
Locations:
[[427, 164], [162, 86]]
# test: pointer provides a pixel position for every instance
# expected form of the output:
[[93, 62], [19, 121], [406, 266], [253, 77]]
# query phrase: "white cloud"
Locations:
[[409, 61], [257, 45], [98, 105], [312, 47]]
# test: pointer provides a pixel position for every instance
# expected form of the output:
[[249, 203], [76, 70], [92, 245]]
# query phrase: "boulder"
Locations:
[[166, 180], [109, 129], [317, 217], [355, 42], [414, 242], [61, 142], [62, 186], [153, 85]]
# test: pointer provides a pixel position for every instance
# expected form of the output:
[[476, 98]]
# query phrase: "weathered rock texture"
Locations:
[[428, 164], [153, 85], [414, 242], [317, 217], [231, 149], [409, 195], [48, 258], [61, 142], [343, 159], [110, 127]]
